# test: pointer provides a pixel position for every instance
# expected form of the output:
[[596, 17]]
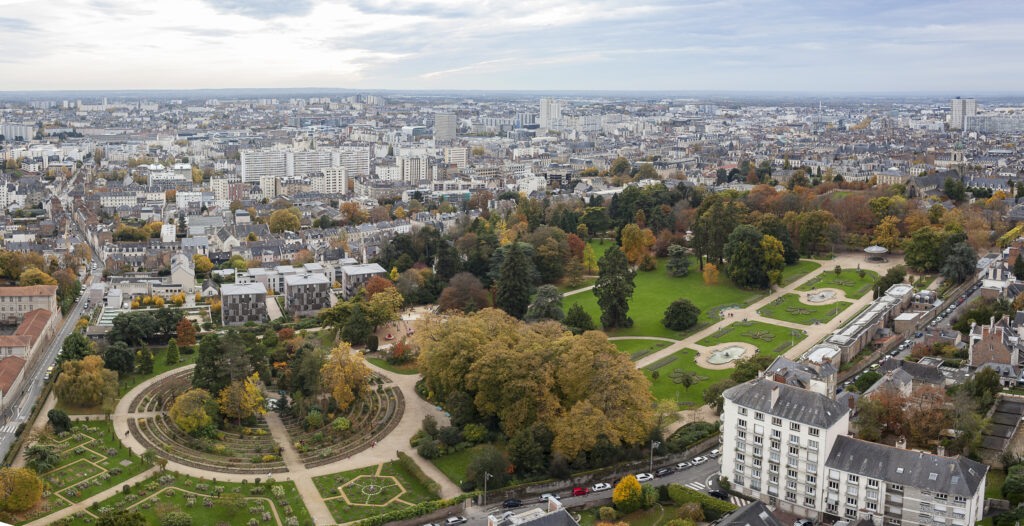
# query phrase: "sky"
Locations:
[[960, 47]]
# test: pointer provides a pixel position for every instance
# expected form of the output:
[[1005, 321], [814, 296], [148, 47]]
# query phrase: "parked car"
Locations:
[[661, 472], [546, 496], [512, 503], [683, 465], [718, 494], [601, 486], [452, 521], [803, 522], [715, 453], [579, 492], [698, 460], [644, 477]]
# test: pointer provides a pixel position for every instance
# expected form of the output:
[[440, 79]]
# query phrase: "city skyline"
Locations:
[[454, 45]]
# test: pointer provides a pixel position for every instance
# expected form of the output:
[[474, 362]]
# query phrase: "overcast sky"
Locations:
[[770, 45]]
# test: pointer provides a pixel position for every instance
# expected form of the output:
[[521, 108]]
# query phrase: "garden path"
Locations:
[[99, 497]]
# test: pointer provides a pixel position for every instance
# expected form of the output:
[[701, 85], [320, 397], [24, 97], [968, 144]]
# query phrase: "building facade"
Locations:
[[241, 304], [306, 294]]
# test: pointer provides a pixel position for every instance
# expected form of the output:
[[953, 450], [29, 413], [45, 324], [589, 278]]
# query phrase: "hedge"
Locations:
[[414, 469], [415, 511], [713, 508], [689, 435]]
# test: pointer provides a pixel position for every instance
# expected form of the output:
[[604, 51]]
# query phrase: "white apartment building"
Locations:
[[457, 156], [445, 126], [960, 110], [334, 181], [550, 114], [789, 447], [415, 169], [256, 164]]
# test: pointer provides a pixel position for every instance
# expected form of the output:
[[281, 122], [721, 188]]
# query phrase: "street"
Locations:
[[701, 478]]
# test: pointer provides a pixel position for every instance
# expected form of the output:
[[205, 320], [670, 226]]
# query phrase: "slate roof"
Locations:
[[952, 475], [793, 403], [753, 514], [918, 371]]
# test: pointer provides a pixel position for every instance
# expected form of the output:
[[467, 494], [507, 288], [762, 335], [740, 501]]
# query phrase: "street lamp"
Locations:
[[483, 498], [654, 444]]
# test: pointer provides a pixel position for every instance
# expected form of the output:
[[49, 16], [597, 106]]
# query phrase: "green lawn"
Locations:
[[849, 281], [159, 367], [768, 338], [667, 388], [395, 481], [790, 308], [405, 368], [93, 460], [655, 290], [994, 483], [566, 287], [802, 268], [658, 515], [637, 349], [454, 465]]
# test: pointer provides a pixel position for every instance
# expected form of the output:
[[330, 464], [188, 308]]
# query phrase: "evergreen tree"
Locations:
[[144, 360], [208, 373], [514, 283], [678, 263], [173, 355], [547, 305], [577, 320], [746, 258], [613, 289], [681, 315], [447, 263]]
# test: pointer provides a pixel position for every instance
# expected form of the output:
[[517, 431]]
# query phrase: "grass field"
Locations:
[[405, 368], [666, 387], [802, 268], [397, 489], [790, 308], [849, 281], [454, 465], [767, 338], [655, 290], [159, 367], [637, 349]]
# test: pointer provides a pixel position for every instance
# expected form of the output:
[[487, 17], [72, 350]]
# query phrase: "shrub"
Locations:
[[628, 495], [341, 424], [410, 465], [176, 518], [712, 507], [314, 419], [413, 511], [607, 513], [474, 433], [689, 435], [450, 435], [691, 511], [429, 449]]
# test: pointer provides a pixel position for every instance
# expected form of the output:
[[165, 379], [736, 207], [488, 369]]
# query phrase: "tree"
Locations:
[[712, 395], [173, 355], [20, 489], [121, 518], [869, 418], [85, 382], [514, 286], [133, 328], [75, 347], [344, 375], [678, 261], [59, 420], [773, 256], [866, 380], [547, 305], [627, 496], [746, 258], [748, 368], [191, 411], [118, 357], [614, 288], [464, 292], [42, 457], [954, 189], [283, 220], [636, 243], [491, 461], [577, 320], [202, 264], [960, 264], [887, 233], [242, 399], [589, 259], [680, 315], [144, 360], [526, 452], [186, 331], [710, 274], [34, 276]]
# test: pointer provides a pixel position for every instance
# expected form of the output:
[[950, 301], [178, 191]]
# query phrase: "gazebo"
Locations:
[[876, 253]]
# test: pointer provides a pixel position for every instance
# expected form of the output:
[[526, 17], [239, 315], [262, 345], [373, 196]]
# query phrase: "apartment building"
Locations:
[[16, 302], [241, 304], [306, 294]]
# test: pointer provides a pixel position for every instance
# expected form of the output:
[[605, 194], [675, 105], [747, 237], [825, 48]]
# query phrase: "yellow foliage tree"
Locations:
[[628, 495], [344, 375], [774, 258], [202, 264], [158, 302], [887, 233], [189, 410], [710, 274], [636, 243], [34, 276], [85, 382], [20, 489], [242, 399]]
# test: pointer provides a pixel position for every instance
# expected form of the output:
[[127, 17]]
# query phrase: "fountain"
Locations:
[[726, 355], [821, 296]]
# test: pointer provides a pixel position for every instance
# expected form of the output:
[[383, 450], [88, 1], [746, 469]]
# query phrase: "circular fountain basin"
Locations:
[[726, 355], [821, 296]]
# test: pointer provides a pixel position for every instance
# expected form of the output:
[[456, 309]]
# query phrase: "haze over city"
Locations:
[[874, 46]]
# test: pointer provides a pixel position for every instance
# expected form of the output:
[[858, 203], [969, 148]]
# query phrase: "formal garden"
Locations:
[[677, 377], [374, 490], [855, 283], [768, 338], [258, 502], [791, 308], [638, 348]]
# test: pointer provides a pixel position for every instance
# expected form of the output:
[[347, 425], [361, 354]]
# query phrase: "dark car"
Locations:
[[512, 503], [663, 471], [718, 494]]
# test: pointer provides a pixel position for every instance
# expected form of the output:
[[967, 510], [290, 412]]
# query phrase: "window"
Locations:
[[793, 450], [893, 522], [737, 480], [741, 434], [813, 431], [895, 487], [773, 479], [739, 469], [741, 444], [811, 479], [872, 483], [791, 484], [776, 421], [757, 462], [852, 501], [833, 474], [794, 439], [742, 411], [775, 444], [774, 456], [809, 502], [757, 451], [758, 440], [872, 506], [792, 460], [851, 513], [810, 490], [940, 496], [831, 507], [740, 457], [793, 426], [791, 496], [759, 416], [742, 424], [853, 478], [777, 434], [872, 494], [833, 484], [773, 467], [812, 445], [755, 474], [959, 500], [791, 473]]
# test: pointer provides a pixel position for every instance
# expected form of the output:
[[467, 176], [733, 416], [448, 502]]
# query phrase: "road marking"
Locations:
[[737, 501], [9, 428], [696, 485]]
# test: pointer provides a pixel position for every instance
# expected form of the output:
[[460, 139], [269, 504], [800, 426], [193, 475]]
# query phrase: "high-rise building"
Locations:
[[335, 180], [445, 126], [550, 113], [414, 168], [961, 109], [457, 156], [257, 164]]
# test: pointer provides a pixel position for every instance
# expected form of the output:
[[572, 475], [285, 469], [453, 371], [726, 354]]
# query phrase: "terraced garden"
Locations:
[[252, 450], [370, 419]]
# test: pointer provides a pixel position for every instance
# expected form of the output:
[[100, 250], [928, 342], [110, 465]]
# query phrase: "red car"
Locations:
[[579, 492]]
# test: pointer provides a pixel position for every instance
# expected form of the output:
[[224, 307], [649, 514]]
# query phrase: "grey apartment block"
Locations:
[[307, 294], [243, 303]]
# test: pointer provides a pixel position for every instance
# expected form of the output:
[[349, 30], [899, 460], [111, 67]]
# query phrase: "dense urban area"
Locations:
[[297, 308]]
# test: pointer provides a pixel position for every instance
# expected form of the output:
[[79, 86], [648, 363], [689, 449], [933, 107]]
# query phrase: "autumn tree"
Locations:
[[85, 382], [284, 220], [377, 284], [773, 259], [144, 360], [464, 292], [627, 496], [202, 264], [887, 233], [614, 288], [20, 489], [186, 333], [34, 276], [710, 274], [636, 243], [242, 399], [344, 375], [191, 411]]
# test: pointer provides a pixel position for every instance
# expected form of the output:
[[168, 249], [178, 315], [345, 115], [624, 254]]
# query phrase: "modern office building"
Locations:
[[960, 110], [445, 126]]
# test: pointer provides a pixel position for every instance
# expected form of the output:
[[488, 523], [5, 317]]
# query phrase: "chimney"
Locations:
[[901, 442], [775, 394], [940, 451]]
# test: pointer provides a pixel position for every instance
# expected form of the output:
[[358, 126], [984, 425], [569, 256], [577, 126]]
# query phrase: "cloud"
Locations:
[[263, 9], [16, 25]]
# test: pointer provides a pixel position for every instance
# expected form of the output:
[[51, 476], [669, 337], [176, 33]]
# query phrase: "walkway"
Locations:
[[84, 505]]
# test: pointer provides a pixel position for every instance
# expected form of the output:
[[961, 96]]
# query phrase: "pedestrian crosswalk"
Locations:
[[737, 501], [696, 485], [701, 487], [9, 428]]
